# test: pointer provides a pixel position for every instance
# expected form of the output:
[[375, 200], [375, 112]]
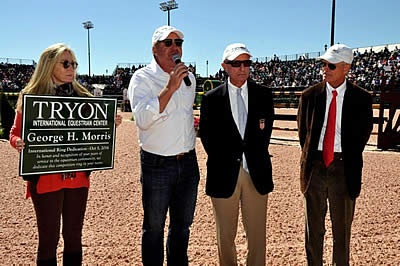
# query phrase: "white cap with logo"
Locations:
[[338, 53], [234, 50], [162, 33]]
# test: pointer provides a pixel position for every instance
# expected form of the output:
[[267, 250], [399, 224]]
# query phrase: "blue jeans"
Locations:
[[168, 183]]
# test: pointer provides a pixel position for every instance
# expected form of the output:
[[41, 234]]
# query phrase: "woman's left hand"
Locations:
[[19, 144], [118, 120]]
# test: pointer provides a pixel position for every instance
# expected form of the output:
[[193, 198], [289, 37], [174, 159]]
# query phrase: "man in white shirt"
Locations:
[[97, 92], [161, 96], [334, 124], [125, 100]]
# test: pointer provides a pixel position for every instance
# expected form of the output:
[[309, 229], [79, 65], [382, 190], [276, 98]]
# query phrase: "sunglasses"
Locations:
[[238, 63], [168, 42], [66, 64], [330, 65]]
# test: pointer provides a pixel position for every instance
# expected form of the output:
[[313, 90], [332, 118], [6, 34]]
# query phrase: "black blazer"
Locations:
[[356, 129], [224, 145]]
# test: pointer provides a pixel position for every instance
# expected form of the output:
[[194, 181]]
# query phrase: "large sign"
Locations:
[[65, 134]]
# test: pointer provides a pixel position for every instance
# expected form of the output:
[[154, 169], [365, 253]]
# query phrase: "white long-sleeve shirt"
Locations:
[[172, 131]]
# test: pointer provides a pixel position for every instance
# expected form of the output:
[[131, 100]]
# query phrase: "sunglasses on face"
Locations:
[[238, 63], [66, 64], [168, 42], [330, 65]]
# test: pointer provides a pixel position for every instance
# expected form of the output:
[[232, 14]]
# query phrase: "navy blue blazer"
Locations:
[[224, 145]]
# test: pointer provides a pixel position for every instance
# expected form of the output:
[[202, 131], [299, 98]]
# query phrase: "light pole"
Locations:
[[167, 6], [207, 68], [88, 25], [333, 23]]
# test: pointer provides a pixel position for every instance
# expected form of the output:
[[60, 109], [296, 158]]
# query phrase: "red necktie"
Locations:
[[329, 138]]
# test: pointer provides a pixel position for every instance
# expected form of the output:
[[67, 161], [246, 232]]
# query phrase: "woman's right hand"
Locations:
[[19, 145]]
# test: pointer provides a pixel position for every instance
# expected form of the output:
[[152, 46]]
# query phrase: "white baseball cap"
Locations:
[[338, 53], [234, 50], [162, 33]]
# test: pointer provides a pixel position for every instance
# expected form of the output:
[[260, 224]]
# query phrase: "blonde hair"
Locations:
[[41, 81]]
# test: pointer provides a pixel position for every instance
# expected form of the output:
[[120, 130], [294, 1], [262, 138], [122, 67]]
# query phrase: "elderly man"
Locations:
[[235, 129], [162, 107], [335, 122]]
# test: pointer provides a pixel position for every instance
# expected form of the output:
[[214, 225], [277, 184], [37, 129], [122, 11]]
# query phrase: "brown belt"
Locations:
[[178, 156], [336, 155]]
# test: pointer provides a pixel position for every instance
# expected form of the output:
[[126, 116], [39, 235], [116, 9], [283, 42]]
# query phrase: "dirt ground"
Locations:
[[112, 230]]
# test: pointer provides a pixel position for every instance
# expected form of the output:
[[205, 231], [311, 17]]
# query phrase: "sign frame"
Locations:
[[59, 138]]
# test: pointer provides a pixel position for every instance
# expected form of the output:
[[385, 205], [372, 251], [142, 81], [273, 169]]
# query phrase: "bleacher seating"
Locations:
[[14, 77], [369, 70]]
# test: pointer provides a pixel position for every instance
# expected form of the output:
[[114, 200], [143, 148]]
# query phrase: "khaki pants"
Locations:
[[254, 213], [328, 185]]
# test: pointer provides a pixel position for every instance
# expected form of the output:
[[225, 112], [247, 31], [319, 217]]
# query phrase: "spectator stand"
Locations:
[[124, 71], [14, 75], [123, 74]]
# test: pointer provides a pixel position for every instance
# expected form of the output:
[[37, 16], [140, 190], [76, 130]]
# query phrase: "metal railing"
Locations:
[[17, 61], [130, 65], [313, 55], [137, 65], [292, 57]]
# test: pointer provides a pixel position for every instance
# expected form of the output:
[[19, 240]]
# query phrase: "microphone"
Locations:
[[177, 60]]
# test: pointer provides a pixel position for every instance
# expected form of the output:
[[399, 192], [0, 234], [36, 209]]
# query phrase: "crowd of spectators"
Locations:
[[14, 77], [370, 70], [294, 74], [114, 84], [276, 73], [117, 82]]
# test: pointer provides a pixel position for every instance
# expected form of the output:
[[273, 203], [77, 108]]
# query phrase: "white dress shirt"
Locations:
[[232, 89], [233, 99], [339, 106], [172, 131]]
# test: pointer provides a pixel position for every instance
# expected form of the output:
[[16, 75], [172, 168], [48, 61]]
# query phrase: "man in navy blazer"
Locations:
[[239, 170], [334, 125]]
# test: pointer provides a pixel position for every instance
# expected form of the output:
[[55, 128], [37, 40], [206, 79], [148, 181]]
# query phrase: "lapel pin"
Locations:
[[262, 124]]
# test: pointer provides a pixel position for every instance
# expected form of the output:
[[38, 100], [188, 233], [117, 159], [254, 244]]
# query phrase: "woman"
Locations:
[[63, 194]]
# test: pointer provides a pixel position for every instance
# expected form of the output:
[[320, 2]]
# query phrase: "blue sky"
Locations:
[[123, 28]]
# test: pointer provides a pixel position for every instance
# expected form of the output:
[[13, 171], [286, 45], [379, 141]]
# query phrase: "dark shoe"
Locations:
[[50, 262], [72, 259]]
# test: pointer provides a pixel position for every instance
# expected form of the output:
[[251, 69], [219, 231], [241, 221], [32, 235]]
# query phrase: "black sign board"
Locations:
[[65, 134]]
